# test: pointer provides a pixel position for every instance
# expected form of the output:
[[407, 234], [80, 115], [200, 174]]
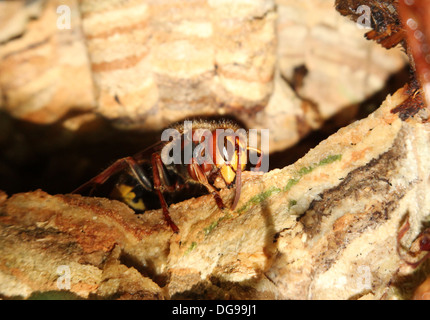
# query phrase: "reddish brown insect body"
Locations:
[[214, 160]]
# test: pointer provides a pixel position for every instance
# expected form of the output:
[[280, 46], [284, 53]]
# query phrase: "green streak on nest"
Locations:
[[191, 247], [259, 198], [330, 159], [291, 182], [292, 203]]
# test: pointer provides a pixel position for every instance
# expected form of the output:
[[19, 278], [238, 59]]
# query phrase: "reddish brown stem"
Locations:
[[156, 165]]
